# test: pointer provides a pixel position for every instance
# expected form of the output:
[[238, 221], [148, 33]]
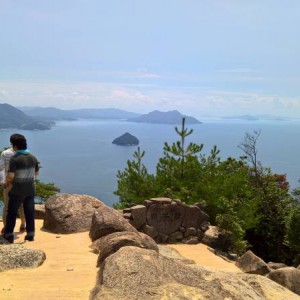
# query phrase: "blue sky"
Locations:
[[202, 57]]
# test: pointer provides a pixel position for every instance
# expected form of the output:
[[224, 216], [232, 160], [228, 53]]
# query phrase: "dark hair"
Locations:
[[19, 141]]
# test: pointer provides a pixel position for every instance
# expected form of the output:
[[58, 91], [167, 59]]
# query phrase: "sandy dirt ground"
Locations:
[[69, 271]]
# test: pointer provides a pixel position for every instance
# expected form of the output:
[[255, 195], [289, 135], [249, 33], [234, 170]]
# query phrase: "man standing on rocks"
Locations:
[[4, 165], [23, 167]]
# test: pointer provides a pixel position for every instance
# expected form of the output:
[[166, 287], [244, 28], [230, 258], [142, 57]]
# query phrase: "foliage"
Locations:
[[274, 208], [249, 203], [134, 183], [293, 228], [274, 205], [178, 168], [45, 190], [232, 225]]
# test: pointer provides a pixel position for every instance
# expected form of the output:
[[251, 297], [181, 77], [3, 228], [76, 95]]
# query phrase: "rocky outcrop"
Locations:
[[70, 213], [288, 277], [107, 220], [131, 267], [168, 220], [250, 263], [17, 256], [145, 274]]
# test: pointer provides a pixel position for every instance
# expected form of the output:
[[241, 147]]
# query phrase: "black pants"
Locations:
[[13, 205]]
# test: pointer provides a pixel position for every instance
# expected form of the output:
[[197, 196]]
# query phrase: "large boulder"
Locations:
[[111, 243], [288, 277], [250, 263], [70, 213], [15, 256], [135, 273], [107, 220]]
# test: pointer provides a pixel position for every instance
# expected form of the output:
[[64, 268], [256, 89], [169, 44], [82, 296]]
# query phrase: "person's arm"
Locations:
[[2, 162], [11, 173], [37, 168], [9, 178]]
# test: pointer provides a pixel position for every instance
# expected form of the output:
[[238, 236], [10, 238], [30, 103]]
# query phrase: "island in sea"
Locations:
[[169, 117], [126, 139]]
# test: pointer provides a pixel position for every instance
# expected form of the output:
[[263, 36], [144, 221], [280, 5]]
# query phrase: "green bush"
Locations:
[[293, 228]]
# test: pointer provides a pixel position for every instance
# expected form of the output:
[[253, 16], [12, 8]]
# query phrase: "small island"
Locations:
[[126, 139], [159, 117]]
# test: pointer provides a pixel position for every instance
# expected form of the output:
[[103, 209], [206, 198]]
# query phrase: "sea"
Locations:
[[79, 157]]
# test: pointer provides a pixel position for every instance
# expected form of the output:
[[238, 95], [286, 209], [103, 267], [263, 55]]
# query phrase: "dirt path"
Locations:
[[204, 257], [69, 271]]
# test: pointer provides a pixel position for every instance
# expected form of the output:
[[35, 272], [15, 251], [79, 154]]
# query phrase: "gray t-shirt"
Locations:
[[24, 167]]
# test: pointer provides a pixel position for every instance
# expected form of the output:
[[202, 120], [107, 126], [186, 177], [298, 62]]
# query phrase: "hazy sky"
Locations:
[[202, 57]]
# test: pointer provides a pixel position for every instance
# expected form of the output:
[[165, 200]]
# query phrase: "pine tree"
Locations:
[[135, 184]]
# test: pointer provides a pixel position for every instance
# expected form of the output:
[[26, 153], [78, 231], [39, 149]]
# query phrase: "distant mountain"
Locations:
[[52, 113], [11, 117], [48, 113], [169, 117], [103, 113]]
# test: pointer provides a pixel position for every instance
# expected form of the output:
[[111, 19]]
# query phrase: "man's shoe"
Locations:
[[2, 230], [10, 238], [22, 228], [29, 238]]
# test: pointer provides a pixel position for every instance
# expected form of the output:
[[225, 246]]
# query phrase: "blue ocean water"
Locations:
[[79, 157]]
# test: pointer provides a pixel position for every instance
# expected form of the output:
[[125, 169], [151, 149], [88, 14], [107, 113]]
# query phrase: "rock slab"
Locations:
[[135, 273]]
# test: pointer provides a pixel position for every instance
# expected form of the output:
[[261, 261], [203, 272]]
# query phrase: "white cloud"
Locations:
[[194, 101]]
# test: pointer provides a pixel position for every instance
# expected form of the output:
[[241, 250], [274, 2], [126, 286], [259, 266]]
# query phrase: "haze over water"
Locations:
[[79, 156]]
